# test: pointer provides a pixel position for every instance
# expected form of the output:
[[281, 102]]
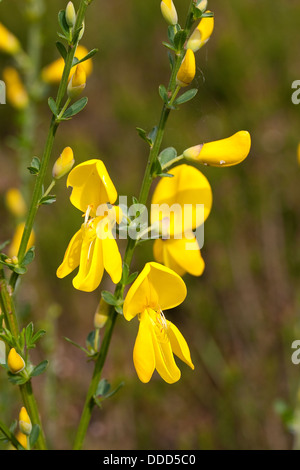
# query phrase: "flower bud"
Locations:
[[70, 15], [77, 83], [201, 34], [22, 439], [63, 164], [8, 42], [15, 90], [101, 315], [15, 362], [15, 202], [169, 12], [81, 31], [202, 5], [25, 422], [224, 152], [187, 70]]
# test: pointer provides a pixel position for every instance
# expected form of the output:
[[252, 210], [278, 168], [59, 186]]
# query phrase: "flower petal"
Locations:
[[112, 259], [179, 344], [143, 352], [164, 360], [72, 256], [187, 189], [222, 153], [91, 185], [184, 253], [91, 266], [156, 287]]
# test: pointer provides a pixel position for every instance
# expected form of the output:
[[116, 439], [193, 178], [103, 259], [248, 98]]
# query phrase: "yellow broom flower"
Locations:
[[15, 362], [77, 83], [187, 70], [63, 164], [8, 42], [225, 152], [15, 202], [16, 93], [157, 288], [201, 34], [25, 422]]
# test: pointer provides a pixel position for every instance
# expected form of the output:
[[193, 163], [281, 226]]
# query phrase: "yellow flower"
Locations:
[[224, 152], [157, 288], [15, 362], [201, 34], [169, 12], [93, 248], [187, 70], [15, 243], [77, 83], [15, 90], [298, 154], [8, 42], [22, 438], [25, 422], [181, 255], [63, 164], [175, 200], [52, 73], [91, 185], [15, 202]]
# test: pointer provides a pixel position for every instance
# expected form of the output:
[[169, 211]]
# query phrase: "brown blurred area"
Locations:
[[242, 315]]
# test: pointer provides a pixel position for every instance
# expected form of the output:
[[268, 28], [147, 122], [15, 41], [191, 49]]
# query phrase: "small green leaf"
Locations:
[[167, 155], [49, 199], [40, 368], [19, 269], [143, 134], [109, 298], [76, 345], [63, 23], [34, 435], [61, 49], [169, 46], [29, 257], [165, 175], [28, 333], [103, 388], [52, 106], [75, 108], [16, 379], [132, 277], [163, 93], [180, 39], [187, 96], [88, 56], [34, 167], [37, 336]]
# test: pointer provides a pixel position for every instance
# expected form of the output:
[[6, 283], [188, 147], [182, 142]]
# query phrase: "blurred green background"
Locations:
[[241, 316]]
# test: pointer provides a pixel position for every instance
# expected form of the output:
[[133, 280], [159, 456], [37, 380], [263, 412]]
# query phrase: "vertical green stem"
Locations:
[[143, 197], [32, 409]]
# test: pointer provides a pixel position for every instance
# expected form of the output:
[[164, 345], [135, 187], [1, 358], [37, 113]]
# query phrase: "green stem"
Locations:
[[51, 185], [143, 197], [10, 436], [37, 192], [32, 409]]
